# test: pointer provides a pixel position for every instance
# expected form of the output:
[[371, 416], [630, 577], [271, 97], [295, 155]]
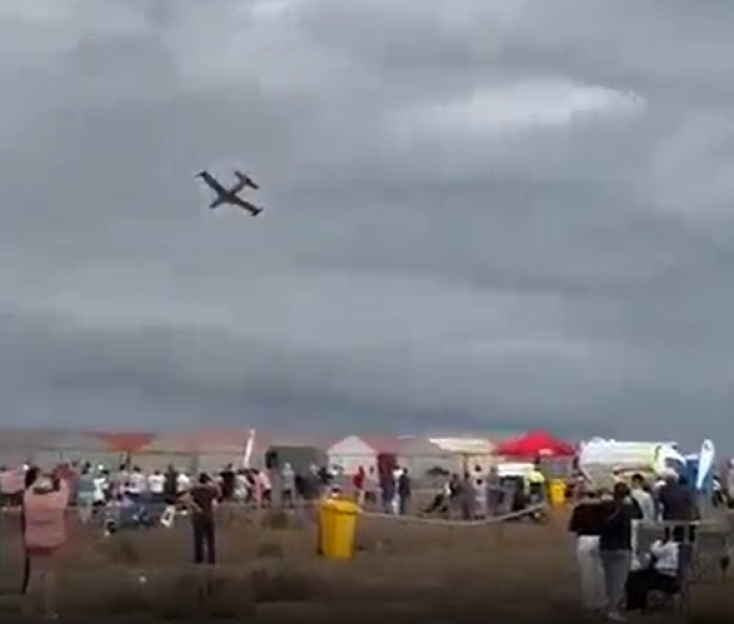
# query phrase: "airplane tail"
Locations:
[[216, 203], [246, 180], [256, 211]]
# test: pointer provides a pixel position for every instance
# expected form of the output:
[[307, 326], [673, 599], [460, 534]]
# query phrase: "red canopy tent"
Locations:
[[536, 444]]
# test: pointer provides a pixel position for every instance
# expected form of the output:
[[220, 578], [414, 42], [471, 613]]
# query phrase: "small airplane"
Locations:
[[230, 196]]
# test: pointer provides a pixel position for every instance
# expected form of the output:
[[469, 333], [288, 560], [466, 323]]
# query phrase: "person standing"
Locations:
[[227, 479], [85, 492], [494, 492], [676, 500], [30, 476], [615, 547], [358, 483], [648, 510], [201, 499], [388, 492], [405, 493], [677, 503], [730, 485], [371, 486], [586, 522], [137, 485], [479, 488], [287, 486], [643, 498], [44, 504], [170, 485]]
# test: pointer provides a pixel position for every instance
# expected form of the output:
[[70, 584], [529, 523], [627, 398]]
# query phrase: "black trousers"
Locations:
[[26, 573], [641, 582], [204, 538], [26, 559]]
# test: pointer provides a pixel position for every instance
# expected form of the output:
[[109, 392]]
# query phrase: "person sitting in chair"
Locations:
[[660, 573]]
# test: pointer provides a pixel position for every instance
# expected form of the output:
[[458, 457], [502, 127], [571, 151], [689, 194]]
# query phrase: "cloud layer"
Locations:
[[480, 215]]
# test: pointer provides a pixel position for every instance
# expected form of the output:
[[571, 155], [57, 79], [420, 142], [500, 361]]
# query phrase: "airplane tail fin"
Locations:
[[246, 180], [216, 203], [256, 211]]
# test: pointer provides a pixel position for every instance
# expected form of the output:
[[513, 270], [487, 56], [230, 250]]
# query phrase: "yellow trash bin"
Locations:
[[558, 492], [337, 528]]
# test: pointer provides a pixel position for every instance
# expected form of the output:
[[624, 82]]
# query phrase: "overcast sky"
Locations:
[[480, 214]]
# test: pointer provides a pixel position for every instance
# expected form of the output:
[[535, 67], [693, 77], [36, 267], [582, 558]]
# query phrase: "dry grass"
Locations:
[[421, 573]]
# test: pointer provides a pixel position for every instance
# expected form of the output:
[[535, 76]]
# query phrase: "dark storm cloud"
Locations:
[[481, 215]]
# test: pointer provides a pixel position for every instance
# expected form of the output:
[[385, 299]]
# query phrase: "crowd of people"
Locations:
[[615, 576], [127, 497], [484, 493], [613, 572]]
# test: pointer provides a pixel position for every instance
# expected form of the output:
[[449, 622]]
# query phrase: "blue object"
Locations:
[[690, 471]]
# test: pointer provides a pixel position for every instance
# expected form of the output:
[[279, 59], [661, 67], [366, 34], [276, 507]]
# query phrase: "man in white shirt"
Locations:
[[661, 574], [101, 487], [137, 484], [183, 482], [640, 494], [638, 491], [156, 484]]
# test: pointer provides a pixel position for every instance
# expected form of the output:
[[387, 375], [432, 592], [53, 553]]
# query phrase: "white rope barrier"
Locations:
[[515, 515]]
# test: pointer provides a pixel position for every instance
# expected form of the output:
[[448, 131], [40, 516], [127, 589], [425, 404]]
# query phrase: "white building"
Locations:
[[348, 454], [452, 454]]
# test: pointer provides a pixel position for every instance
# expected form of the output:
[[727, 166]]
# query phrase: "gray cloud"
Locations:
[[480, 215]]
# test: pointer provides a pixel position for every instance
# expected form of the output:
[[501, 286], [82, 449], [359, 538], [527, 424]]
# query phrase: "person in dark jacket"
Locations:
[[615, 546], [200, 500], [30, 478], [404, 492], [388, 491], [586, 522], [170, 485], [227, 479], [677, 503]]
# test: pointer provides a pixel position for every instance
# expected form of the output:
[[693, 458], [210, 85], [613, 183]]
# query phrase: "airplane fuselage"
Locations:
[[224, 198]]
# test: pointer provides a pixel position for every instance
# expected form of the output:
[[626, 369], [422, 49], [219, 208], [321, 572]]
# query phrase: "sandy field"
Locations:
[[269, 571]]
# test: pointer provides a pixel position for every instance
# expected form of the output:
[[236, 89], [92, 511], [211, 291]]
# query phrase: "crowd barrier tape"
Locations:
[[532, 510]]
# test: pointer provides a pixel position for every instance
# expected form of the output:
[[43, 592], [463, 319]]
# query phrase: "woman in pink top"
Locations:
[[45, 505]]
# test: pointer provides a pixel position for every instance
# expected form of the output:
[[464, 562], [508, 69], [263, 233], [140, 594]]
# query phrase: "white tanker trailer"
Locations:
[[600, 460]]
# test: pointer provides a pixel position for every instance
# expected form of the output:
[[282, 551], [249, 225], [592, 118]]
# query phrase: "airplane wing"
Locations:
[[245, 205], [245, 180], [212, 183]]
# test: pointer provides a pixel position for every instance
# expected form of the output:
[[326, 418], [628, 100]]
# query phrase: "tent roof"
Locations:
[[130, 442], [534, 444], [387, 445]]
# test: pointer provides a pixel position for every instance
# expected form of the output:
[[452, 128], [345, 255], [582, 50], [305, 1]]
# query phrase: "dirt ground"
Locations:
[[269, 571]]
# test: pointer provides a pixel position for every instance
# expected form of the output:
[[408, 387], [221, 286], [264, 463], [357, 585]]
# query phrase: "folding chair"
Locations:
[[711, 555]]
